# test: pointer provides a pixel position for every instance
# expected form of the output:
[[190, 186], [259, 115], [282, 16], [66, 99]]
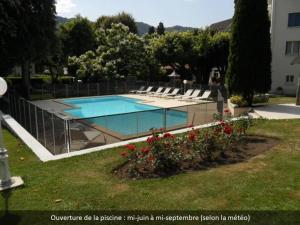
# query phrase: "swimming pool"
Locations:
[[125, 116]]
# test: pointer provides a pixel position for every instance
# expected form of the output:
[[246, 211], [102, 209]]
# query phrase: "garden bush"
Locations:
[[164, 154], [238, 100]]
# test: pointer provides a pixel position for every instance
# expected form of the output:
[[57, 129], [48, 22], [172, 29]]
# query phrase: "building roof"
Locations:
[[224, 25]]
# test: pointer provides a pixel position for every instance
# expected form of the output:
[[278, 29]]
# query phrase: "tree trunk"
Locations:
[[26, 79]]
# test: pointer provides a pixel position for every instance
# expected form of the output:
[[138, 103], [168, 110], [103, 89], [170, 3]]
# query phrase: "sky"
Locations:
[[192, 13]]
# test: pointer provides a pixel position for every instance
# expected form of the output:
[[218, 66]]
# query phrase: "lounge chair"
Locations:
[[146, 91], [159, 90], [167, 91], [195, 94], [174, 93], [205, 96], [186, 94], [142, 88]]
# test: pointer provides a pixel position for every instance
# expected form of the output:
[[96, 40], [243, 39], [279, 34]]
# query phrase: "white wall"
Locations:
[[281, 65]]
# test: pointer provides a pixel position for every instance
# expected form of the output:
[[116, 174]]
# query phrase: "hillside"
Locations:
[[141, 26]]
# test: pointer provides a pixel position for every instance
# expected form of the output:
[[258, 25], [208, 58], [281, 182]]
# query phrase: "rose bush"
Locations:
[[163, 153]]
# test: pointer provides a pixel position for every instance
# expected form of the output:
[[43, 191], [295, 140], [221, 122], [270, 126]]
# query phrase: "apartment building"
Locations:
[[285, 34]]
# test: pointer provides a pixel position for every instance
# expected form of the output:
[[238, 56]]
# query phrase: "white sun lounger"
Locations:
[[195, 94], [167, 91], [145, 92], [174, 93], [142, 88], [187, 93], [205, 96], [159, 90]]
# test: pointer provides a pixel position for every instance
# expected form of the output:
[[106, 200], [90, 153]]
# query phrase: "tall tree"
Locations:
[[160, 29], [77, 36], [120, 53], [249, 68], [151, 30], [105, 22], [29, 40]]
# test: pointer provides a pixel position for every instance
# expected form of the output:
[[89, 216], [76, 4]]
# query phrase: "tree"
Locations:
[[119, 54], [249, 68], [105, 22], [77, 36], [32, 26], [160, 29], [219, 53], [151, 30]]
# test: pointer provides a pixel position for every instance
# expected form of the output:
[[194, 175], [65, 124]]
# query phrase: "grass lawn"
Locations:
[[282, 100], [267, 182]]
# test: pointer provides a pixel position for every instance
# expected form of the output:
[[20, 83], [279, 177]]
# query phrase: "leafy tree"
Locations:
[[151, 30], [249, 68], [105, 22], [160, 29], [219, 52], [119, 54], [77, 36], [28, 27]]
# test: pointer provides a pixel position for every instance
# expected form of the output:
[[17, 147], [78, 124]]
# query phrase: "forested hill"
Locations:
[[142, 27]]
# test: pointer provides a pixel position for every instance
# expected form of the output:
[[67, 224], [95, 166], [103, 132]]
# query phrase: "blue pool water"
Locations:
[[125, 116]]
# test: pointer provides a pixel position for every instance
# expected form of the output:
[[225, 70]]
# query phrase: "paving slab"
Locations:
[[282, 111]]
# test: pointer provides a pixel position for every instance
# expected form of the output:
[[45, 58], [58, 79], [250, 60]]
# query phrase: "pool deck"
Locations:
[[161, 102]]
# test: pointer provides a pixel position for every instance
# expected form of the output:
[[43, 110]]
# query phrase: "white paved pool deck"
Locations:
[[162, 102], [277, 112]]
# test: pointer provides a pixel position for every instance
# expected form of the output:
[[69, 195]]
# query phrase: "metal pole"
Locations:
[[5, 174], [298, 93], [29, 115]]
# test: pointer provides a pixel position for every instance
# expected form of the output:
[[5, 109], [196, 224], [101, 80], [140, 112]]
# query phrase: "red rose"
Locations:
[[150, 158], [228, 129], [124, 154], [192, 136], [152, 139], [168, 135], [130, 147], [226, 110], [145, 150]]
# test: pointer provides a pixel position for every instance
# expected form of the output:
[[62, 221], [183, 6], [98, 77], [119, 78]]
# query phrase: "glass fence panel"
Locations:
[[122, 126], [197, 114], [176, 118], [33, 120], [40, 126], [211, 111], [85, 134], [149, 120], [48, 128], [25, 113], [60, 137]]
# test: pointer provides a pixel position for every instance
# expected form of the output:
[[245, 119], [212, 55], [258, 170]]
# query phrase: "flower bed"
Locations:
[[165, 154]]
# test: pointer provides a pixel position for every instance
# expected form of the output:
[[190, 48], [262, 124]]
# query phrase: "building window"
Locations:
[[290, 79], [292, 48], [294, 19]]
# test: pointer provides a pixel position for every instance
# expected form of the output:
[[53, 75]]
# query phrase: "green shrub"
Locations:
[[238, 100], [260, 99]]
